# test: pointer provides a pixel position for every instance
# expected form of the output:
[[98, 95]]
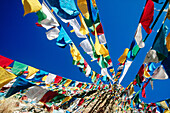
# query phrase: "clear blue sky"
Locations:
[[23, 41]]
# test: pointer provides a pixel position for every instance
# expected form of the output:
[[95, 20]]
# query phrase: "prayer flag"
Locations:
[[138, 36], [5, 77], [99, 30], [122, 58], [65, 8], [31, 6], [83, 29], [82, 4], [48, 96], [160, 73], [67, 82], [151, 56], [31, 71], [36, 93], [75, 53], [5, 62], [50, 78], [147, 16], [63, 38], [76, 27], [18, 67], [53, 33], [19, 84], [126, 67], [57, 79], [159, 44]]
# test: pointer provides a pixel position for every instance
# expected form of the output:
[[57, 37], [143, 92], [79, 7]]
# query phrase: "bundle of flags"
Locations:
[[54, 90]]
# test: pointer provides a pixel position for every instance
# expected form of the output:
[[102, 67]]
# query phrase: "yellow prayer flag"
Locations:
[[122, 58], [67, 82], [82, 4], [146, 73], [166, 111], [31, 71], [85, 85], [168, 42], [66, 99], [164, 105], [93, 75], [131, 89], [44, 78], [72, 31], [31, 6], [83, 28], [118, 73], [100, 48], [5, 77], [75, 53], [94, 3]]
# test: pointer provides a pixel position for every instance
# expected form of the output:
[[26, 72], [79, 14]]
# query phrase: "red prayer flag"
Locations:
[[5, 62], [143, 89], [48, 96], [141, 72], [147, 16], [79, 85], [81, 102], [99, 30], [85, 63], [58, 79], [98, 76]]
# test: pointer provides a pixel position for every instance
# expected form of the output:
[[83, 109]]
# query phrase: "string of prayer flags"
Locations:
[[31, 6], [66, 9]]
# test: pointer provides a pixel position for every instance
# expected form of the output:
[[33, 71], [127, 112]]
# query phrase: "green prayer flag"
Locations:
[[41, 16], [135, 51], [18, 67], [58, 98]]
